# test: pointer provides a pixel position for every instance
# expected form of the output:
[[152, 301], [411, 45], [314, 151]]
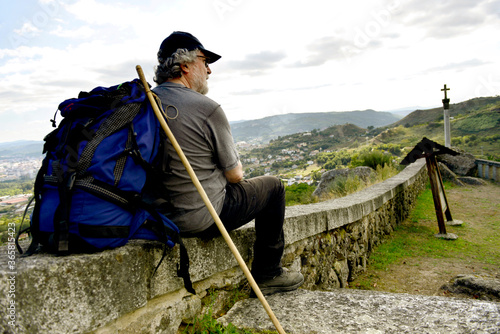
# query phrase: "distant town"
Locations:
[[19, 167], [288, 161]]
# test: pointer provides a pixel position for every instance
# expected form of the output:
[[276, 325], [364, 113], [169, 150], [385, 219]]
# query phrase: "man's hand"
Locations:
[[235, 175]]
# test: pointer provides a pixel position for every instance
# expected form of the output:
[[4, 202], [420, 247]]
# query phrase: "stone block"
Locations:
[[303, 221], [79, 292], [161, 315], [359, 311]]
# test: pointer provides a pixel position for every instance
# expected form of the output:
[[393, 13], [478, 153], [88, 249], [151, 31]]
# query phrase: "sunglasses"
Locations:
[[206, 60]]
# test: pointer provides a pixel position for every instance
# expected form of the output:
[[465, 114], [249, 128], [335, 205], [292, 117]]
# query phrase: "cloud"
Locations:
[[83, 32], [124, 71], [92, 12], [27, 30], [253, 92], [256, 63], [457, 66], [445, 18], [339, 48], [260, 91], [492, 8], [323, 50]]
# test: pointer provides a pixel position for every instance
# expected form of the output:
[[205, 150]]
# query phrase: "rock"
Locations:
[[360, 311], [481, 286], [463, 164], [328, 178], [448, 175], [474, 181]]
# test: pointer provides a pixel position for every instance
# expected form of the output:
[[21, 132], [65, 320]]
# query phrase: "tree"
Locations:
[[316, 176]]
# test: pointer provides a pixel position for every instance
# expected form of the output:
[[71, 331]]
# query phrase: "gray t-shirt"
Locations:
[[203, 132]]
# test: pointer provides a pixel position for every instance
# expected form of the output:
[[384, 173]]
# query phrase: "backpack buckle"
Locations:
[[71, 181]]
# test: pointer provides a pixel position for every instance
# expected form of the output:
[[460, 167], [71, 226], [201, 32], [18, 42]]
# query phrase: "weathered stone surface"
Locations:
[[463, 164], [162, 315], [84, 292], [68, 294], [207, 257], [448, 175], [329, 177], [357, 311], [483, 287], [473, 181]]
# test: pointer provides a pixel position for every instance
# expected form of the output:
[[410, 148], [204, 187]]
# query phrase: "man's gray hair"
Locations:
[[170, 68]]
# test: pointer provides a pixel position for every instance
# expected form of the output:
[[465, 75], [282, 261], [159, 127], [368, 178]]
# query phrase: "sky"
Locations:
[[278, 57]]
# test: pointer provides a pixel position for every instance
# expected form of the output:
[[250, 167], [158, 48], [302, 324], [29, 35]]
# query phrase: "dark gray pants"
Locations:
[[263, 199]]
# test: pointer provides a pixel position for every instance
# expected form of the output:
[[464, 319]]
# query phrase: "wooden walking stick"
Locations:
[[207, 202]]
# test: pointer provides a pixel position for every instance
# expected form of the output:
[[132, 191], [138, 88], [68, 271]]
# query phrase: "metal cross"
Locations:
[[445, 89]]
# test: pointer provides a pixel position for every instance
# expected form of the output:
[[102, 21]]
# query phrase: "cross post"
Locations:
[[445, 90], [446, 107]]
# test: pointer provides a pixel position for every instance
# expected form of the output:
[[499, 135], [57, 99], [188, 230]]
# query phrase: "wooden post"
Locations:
[[428, 149], [436, 191], [440, 202]]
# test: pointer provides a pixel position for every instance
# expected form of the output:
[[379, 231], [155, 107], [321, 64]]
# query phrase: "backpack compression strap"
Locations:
[[183, 267]]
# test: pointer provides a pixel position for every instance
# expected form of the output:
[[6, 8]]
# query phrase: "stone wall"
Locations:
[[489, 170], [114, 291]]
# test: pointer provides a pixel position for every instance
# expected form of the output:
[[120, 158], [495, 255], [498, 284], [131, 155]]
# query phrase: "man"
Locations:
[[203, 132]]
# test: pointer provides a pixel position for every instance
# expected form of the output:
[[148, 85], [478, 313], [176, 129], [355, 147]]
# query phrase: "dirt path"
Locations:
[[479, 208]]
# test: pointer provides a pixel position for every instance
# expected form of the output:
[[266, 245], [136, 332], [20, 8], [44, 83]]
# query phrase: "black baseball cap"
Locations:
[[183, 40]]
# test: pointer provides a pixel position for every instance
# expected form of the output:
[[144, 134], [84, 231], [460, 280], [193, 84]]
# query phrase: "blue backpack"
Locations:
[[91, 192]]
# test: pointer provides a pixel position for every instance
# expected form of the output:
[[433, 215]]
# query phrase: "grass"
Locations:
[[207, 323], [413, 241]]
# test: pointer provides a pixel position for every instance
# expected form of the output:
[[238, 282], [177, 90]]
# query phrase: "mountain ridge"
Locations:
[[270, 127]]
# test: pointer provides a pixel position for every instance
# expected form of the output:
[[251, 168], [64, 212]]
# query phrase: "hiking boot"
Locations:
[[286, 281]]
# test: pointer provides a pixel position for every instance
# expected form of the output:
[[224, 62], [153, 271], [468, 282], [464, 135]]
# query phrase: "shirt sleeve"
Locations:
[[221, 139]]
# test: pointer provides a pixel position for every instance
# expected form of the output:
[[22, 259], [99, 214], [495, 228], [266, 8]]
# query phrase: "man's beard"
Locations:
[[200, 84]]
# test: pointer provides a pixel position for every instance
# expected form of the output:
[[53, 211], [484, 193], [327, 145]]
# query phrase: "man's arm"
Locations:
[[235, 175]]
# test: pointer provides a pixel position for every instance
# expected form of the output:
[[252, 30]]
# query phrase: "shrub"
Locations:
[[391, 148], [343, 186], [373, 159], [334, 160], [455, 141], [385, 172], [301, 193]]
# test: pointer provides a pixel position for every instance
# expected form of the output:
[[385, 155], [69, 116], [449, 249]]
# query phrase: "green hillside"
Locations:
[[457, 110], [332, 138], [474, 127], [265, 129], [21, 149]]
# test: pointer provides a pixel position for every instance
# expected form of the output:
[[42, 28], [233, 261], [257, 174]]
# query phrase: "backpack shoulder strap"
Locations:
[[34, 227]]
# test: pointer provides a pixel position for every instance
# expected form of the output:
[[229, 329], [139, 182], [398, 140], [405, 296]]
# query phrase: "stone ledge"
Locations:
[[81, 293], [328, 215], [357, 311]]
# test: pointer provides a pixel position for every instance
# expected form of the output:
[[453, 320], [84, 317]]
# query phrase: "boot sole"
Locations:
[[269, 290]]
